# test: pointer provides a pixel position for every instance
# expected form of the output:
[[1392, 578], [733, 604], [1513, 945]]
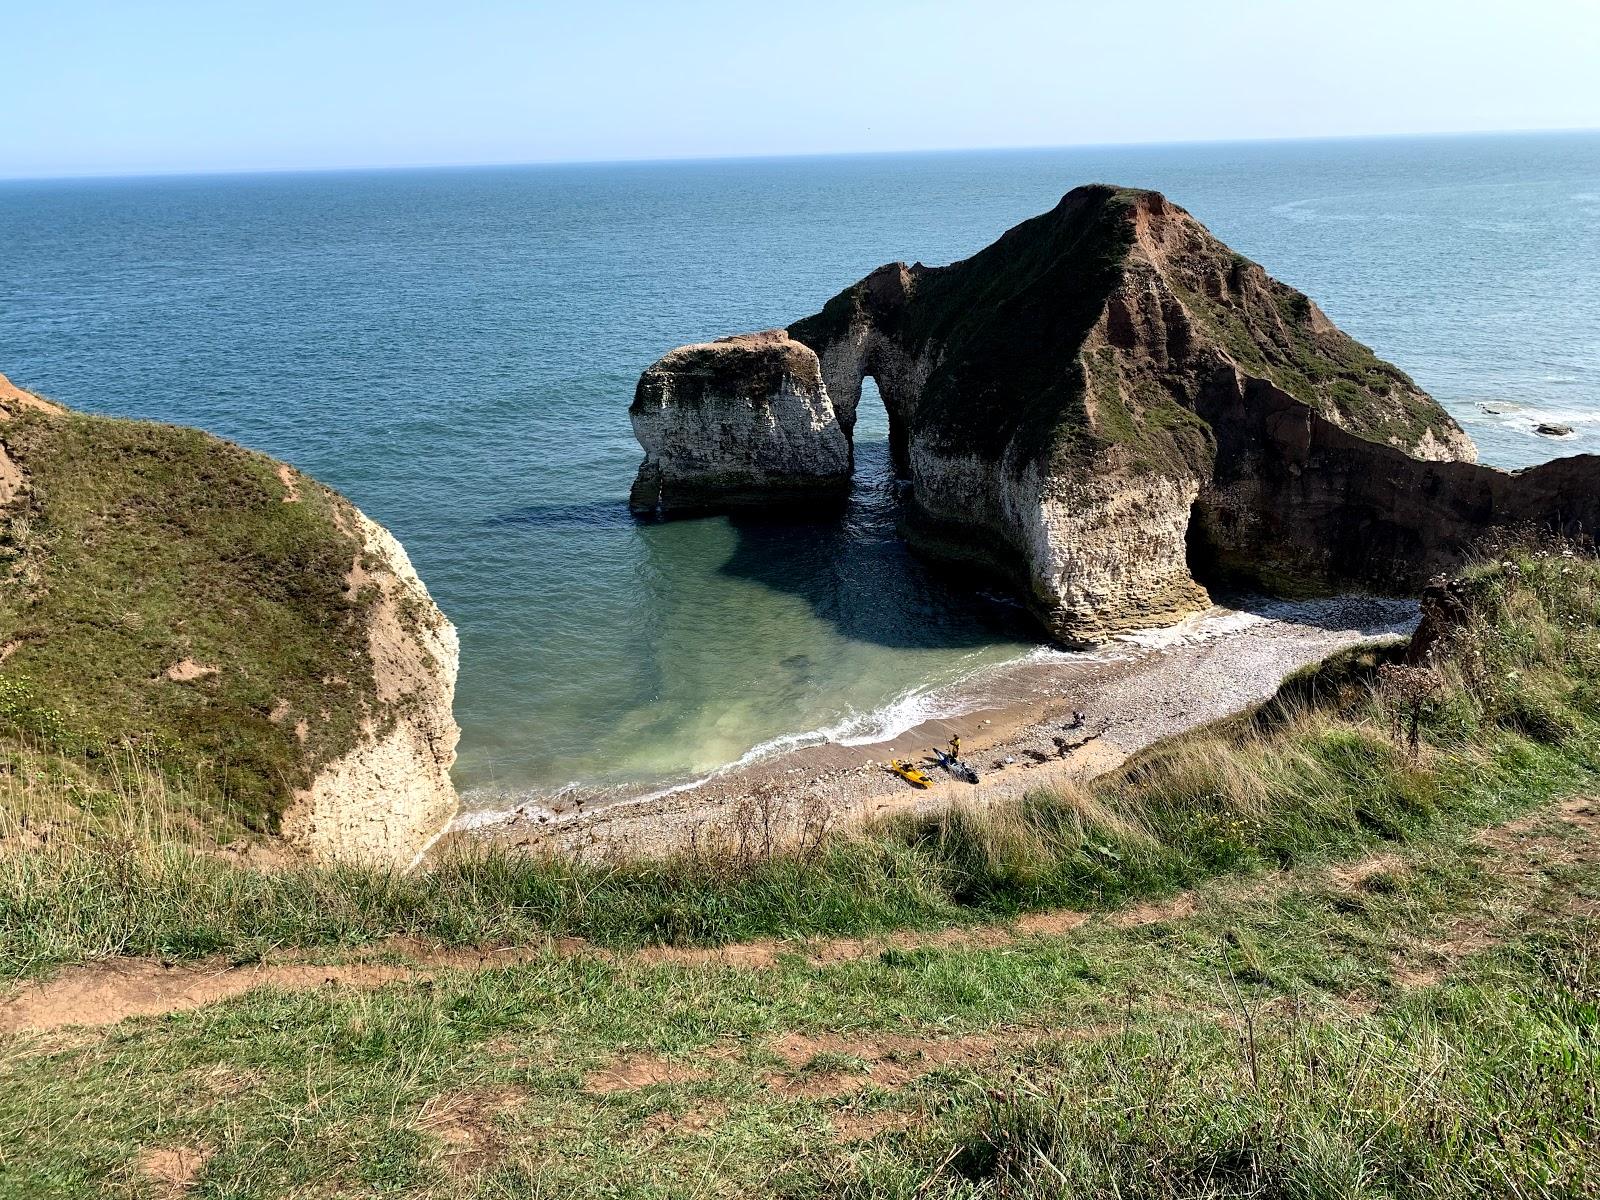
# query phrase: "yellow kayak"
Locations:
[[909, 773]]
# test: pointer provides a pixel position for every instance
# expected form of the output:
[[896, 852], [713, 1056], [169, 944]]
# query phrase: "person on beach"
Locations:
[[955, 745]]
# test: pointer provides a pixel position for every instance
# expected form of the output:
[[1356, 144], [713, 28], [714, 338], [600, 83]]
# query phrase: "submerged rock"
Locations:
[[184, 618], [1102, 405]]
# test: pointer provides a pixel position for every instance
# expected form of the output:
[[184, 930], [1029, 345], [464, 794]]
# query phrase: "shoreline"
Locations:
[[1014, 721]]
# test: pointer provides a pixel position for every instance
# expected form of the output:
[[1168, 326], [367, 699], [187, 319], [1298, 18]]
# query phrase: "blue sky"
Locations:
[[131, 86]]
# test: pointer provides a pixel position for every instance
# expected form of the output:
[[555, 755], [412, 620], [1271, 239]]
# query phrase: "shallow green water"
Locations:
[[456, 351]]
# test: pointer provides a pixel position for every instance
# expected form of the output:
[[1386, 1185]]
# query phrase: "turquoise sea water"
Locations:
[[456, 350]]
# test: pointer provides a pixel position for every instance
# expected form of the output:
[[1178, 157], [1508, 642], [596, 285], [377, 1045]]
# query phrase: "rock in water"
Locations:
[[178, 609], [1551, 429], [738, 422], [1100, 406]]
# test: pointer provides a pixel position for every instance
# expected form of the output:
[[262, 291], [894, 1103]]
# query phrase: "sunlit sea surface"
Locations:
[[456, 350]]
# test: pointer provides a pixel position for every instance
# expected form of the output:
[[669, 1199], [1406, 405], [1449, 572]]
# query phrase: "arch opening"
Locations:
[[874, 429]]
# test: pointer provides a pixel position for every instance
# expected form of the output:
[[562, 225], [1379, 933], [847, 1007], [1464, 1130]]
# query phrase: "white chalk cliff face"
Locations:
[[390, 797], [1096, 407], [278, 641], [741, 421]]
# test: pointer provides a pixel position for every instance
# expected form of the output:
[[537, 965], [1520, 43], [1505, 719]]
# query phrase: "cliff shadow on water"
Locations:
[[853, 569]]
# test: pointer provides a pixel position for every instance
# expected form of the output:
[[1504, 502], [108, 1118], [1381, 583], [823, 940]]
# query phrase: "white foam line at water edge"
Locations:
[[1202, 627], [917, 705], [903, 713], [480, 818], [1389, 617]]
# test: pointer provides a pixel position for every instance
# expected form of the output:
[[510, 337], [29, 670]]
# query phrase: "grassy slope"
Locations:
[[1266, 327], [141, 545], [1318, 773], [1425, 1027], [1010, 321], [1286, 1041]]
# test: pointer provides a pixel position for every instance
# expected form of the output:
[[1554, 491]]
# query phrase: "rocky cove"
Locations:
[[1107, 414], [1016, 723]]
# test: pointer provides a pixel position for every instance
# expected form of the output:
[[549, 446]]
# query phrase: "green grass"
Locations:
[[1266, 329], [1120, 1053], [1320, 772], [1427, 1026], [140, 545], [1484, 1087]]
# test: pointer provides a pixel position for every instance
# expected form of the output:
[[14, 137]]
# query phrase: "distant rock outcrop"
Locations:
[[171, 600], [1102, 405]]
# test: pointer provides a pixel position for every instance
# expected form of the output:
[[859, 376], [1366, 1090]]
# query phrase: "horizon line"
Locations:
[[668, 160]]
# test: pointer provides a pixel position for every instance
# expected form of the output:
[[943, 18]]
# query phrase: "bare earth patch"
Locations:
[[864, 1126], [675, 1124], [634, 1071], [186, 670], [291, 485], [1175, 909], [14, 399], [1050, 924], [468, 1125], [173, 1169], [104, 993], [1427, 964], [12, 481], [888, 1060]]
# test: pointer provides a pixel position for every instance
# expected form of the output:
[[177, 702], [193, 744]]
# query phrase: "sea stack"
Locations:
[[1105, 407], [740, 422]]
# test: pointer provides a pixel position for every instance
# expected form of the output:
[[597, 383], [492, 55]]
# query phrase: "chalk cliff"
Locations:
[[737, 422], [171, 600], [1107, 403]]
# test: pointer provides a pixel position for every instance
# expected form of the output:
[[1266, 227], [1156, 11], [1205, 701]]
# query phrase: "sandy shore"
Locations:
[[1015, 727]]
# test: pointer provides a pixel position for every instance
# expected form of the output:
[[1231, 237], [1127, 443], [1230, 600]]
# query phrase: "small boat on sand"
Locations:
[[958, 768], [909, 772]]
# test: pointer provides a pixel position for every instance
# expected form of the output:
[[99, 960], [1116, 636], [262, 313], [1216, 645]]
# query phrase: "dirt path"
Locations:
[[104, 993]]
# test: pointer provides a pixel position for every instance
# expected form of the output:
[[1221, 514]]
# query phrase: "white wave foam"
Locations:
[[955, 698], [1199, 628], [540, 804]]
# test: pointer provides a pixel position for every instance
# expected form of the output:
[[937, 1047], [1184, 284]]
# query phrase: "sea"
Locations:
[[456, 349]]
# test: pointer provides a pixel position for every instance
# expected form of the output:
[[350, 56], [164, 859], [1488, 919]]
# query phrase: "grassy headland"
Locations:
[[1331, 959], [172, 604]]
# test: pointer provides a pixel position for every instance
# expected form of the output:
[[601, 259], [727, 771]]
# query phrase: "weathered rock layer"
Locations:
[[389, 796], [1098, 407], [738, 422]]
